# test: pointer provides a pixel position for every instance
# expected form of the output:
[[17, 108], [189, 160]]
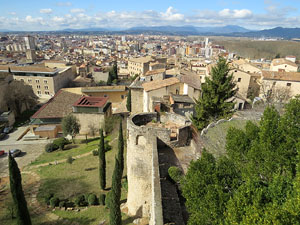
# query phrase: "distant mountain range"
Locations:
[[230, 31]]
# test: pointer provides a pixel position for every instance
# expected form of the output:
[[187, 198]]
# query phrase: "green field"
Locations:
[[261, 49]]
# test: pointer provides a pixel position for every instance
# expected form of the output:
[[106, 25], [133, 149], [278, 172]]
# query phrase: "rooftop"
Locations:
[[152, 72], [284, 76], [104, 89], [59, 106], [141, 59], [192, 80], [33, 69], [182, 98], [280, 61], [87, 101], [157, 84]]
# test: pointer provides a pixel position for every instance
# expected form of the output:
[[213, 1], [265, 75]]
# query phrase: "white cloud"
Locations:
[[171, 14], [236, 13], [46, 11], [12, 13], [77, 10], [66, 4]]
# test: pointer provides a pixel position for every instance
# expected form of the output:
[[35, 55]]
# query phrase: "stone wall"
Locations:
[[137, 100], [144, 190], [86, 120]]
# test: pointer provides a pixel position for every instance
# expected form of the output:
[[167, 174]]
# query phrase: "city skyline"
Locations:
[[49, 15]]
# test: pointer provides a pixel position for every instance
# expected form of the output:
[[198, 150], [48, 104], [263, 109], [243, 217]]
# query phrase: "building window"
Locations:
[[46, 87], [122, 96], [37, 81], [29, 80], [47, 93], [45, 82], [105, 95], [288, 84], [22, 80], [274, 83], [38, 86], [39, 92], [239, 79]]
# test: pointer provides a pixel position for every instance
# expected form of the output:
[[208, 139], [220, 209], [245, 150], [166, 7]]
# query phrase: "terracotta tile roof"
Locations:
[[192, 80], [284, 76], [277, 62], [59, 106], [152, 72], [87, 101], [157, 84]]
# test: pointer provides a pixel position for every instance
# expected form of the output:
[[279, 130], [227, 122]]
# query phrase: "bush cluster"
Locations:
[[54, 201], [102, 199], [51, 147], [61, 142], [175, 173]]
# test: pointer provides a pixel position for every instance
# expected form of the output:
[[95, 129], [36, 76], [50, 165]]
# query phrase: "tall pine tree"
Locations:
[[23, 217], [115, 217], [102, 162], [214, 102], [128, 104], [121, 147]]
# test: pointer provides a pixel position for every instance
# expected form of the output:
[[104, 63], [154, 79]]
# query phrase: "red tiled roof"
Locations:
[[87, 101]]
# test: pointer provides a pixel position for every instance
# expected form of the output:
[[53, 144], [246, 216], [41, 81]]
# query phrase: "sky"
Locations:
[[37, 15]]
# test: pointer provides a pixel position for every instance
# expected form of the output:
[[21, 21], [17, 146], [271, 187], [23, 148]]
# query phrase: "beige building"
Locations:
[[141, 65], [45, 81], [281, 85], [283, 65], [159, 88], [248, 84]]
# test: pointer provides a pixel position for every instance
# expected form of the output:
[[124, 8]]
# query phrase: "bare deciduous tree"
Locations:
[[16, 95]]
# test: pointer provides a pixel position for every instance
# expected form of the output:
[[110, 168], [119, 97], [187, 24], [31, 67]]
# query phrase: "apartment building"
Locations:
[[45, 81], [141, 65], [283, 65]]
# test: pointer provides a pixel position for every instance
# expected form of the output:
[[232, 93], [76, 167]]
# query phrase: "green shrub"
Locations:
[[107, 147], [92, 200], [175, 173], [61, 142], [54, 201], [51, 147], [62, 204], [125, 184], [107, 200], [48, 197], [70, 160], [102, 199], [95, 152], [80, 201], [110, 123], [86, 197]]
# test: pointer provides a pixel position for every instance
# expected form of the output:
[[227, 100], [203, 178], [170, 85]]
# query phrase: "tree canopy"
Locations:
[[215, 101], [70, 125], [257, 182]]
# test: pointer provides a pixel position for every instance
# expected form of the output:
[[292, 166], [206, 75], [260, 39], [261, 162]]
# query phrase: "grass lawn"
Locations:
[[70, 150], [215, 138]]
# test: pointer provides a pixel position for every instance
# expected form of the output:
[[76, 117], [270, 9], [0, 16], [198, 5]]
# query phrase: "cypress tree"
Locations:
[[102, 162], [121, 148], [115, 71], [115, 217], [110, 78], [128, 104], [214, 102], [23, 217]]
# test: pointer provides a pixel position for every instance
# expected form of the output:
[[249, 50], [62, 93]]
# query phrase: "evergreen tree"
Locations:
[[115, 71], [110, 78], [121, 147], [215, 100], [102, 162], [115, 217], [23, 217], [128, 104]]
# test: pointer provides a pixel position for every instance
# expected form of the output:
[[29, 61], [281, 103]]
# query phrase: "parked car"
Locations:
[[15, 152], [2, 152], [7, 130]]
